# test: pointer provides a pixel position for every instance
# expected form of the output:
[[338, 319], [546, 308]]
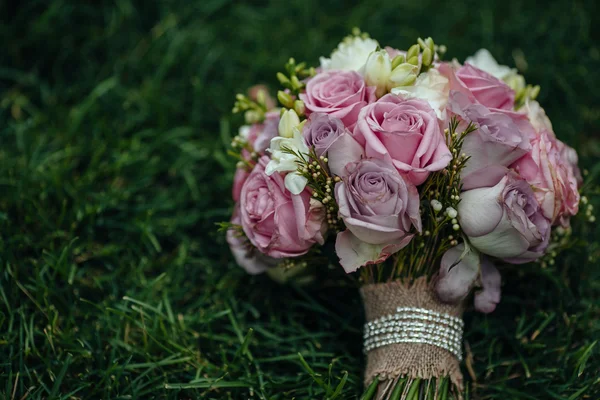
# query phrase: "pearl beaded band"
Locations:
[[416, 325]]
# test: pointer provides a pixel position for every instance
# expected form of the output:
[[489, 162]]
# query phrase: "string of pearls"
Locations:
[[416, 325]]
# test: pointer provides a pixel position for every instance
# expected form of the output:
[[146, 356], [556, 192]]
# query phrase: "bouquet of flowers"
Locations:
[[424, 173]]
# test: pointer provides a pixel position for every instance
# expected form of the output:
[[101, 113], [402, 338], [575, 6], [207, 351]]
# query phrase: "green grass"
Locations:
[[114, 283]]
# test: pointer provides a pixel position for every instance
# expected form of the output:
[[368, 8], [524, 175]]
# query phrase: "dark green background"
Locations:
[[114, 122]]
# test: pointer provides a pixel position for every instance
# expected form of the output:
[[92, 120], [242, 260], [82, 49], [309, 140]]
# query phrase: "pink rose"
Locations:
[[502, 138], [379, 208], [406, 133], [246, 255], [278, 223], [340, 94], [487, 90], [505, 220], [552, 176]]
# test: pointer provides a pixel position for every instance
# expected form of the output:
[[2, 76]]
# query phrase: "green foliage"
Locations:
[[114, 125]]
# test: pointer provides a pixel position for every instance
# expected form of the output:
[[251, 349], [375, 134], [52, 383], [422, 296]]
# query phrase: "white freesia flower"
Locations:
[[430, 86], [290, 138], [377, 71], [289, 120], [350, 55], [484, 60]]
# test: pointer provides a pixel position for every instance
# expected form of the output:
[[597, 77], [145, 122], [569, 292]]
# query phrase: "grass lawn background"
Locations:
[[114, 122]]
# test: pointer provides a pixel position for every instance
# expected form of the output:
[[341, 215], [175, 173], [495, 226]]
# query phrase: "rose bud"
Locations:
[[488, 297], [505, 220], [459, 270]]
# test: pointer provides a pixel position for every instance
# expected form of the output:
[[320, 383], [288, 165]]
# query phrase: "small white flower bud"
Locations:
[[437, 206], [451, 212]]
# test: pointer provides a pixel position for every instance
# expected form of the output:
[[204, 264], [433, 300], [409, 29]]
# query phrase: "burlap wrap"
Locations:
[[415, 360]]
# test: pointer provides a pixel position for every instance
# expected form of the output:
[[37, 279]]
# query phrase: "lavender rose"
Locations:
[[379, 208], [406, 133], [505, 220], [329, 137], [502, 138], [341, 94], [278, 223]]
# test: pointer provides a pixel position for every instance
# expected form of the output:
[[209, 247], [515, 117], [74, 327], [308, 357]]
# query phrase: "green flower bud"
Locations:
[[422, 43], [240, 97], [404, 74], [282, 78], [252, 116], [300, 67], [299, 107], [534, 92], [413, 60], [427, 57], [413, 51], [430, 44], [399, 59], [296, 84], [261, 97], [285, 99]]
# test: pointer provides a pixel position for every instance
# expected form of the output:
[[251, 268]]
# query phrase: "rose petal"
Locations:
[[345, 149], [354, 253], [459, 268], [480, 211], [487, 298], [295, 183]]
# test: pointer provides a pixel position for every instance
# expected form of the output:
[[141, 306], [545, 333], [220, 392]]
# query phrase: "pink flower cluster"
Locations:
[[519, 180]]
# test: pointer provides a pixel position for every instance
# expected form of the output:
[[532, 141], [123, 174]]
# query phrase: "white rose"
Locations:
[[350, 55]]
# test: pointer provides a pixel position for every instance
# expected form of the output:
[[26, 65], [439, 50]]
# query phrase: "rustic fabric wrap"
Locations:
[[415, 360]]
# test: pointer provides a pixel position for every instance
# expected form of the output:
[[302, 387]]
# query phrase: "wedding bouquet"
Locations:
[[426, 174]]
